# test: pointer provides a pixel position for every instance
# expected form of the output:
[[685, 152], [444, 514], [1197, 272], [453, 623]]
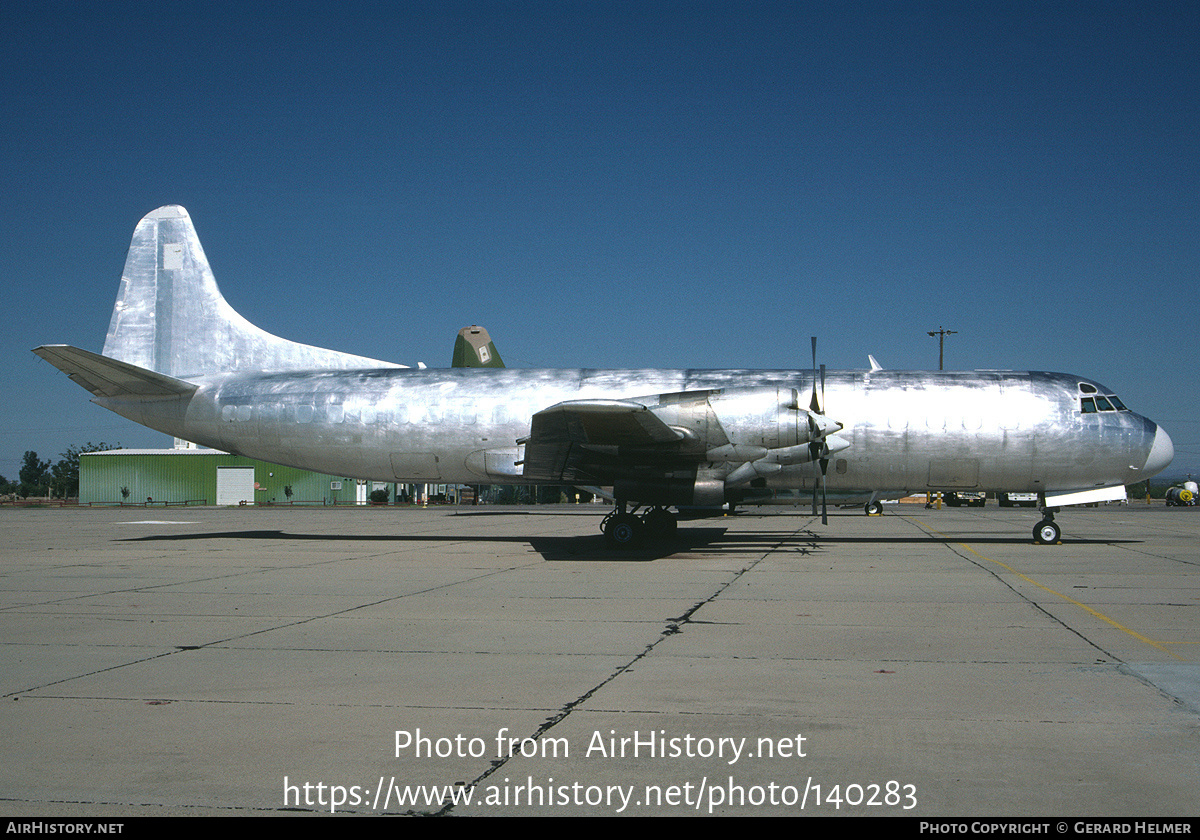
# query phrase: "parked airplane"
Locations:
[[474, 349], [178, 359]]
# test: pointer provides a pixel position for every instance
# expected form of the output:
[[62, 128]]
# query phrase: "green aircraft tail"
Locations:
[[474, 349]]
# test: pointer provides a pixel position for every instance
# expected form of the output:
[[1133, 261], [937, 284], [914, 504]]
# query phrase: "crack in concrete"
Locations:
[[673, 627]]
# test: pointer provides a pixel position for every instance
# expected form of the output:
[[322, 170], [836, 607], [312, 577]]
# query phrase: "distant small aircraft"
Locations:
[[180, 360]]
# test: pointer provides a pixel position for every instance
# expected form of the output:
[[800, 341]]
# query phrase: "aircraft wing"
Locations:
[[572, 441], [106, 377]]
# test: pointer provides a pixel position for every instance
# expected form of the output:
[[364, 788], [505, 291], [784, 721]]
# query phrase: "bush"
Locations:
[[379, 497]]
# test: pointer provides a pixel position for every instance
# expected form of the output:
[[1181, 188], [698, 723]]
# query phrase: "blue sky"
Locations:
[[617, 184]]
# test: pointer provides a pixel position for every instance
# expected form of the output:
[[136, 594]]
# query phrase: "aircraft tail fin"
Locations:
[[170, 316], [474, 348]]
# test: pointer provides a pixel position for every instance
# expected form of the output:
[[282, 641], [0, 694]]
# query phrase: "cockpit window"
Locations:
[[1085, 388], [1105, 402]]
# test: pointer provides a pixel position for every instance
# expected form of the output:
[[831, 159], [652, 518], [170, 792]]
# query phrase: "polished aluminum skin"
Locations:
[[910, 431], [180, 360], [169, 297]]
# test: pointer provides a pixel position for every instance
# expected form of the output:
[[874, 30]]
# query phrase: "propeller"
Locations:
[[818, 428]]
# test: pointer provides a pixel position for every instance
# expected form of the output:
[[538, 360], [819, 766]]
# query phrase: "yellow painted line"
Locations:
[[1156, 645]]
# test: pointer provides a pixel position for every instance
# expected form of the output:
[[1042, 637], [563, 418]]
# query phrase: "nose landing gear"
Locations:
[[1047, 531]]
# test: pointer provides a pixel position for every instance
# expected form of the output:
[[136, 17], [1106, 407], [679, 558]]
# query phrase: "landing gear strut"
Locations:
[[1047, 531]]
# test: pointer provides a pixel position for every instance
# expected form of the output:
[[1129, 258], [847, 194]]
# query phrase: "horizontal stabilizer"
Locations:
[[106, 377]]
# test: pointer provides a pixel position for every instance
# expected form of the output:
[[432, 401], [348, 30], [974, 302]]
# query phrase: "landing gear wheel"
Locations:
[[873, 508], [660, 523], [624, 530], [1047, 532]]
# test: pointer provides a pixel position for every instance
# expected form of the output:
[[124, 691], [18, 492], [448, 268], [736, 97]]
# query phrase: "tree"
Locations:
[[34, 476], [64, 476]]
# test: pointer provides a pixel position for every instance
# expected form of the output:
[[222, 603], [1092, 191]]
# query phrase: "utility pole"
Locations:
[[941, 333]]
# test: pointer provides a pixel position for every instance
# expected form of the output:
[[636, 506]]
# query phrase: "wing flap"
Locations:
[[1092, 495], [563, 436]]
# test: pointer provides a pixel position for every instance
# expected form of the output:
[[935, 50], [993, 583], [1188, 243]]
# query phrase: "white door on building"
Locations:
[[235, 485]]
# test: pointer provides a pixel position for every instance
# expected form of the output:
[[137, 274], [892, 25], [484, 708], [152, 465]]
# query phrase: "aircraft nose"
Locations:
[[1161, 453]]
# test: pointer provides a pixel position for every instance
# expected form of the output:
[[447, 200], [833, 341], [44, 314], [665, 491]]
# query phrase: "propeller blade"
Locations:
[[824, 505], [822, 386], [814, 513], [818, 430], [814, 404], [814, 449]]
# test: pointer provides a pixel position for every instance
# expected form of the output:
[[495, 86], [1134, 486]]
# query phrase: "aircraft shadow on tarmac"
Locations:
[[585, 548], [589, 548]]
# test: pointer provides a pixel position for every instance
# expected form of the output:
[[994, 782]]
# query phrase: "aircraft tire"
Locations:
[[624, 530], [873, 508], [660, 524], [1047, 532]]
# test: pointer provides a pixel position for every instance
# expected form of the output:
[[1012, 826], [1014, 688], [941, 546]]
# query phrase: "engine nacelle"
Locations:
[[766, 417]]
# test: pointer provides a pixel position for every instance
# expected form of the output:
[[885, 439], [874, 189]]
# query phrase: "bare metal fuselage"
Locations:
[[179, 359], [907, 431]]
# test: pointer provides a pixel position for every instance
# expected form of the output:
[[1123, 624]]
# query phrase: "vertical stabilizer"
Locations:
[[474, 348], [170, 316]]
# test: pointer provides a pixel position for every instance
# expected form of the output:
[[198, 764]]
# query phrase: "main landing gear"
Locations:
[[873, 508], [626, 529], [1047, 531]]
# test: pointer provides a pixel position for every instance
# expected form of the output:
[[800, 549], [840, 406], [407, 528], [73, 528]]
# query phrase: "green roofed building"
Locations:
[[208, 476]]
